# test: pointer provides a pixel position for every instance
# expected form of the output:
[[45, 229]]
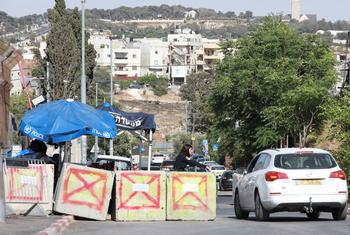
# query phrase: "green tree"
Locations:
[[196, 91], [272, 89], [18, 106], [158, 84], [62, 53], [90, 53], [339, 115]]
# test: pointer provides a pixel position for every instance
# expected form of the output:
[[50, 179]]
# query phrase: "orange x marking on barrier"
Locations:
[[86, 187], [178, 204], [154, 202]]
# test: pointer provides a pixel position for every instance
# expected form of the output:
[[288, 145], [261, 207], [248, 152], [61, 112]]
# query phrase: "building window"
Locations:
[[156, 52], [134, 56], [134, 68]]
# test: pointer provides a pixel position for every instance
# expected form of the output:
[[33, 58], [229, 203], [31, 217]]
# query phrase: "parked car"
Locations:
[[157, 159], [135, 85], [210, 163], [292, 179], [225, 182], [218, 170], [196, 169], [113, 163], [198, 158]]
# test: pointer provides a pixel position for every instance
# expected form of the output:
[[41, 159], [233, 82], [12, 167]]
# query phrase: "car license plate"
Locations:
[[308, 182]]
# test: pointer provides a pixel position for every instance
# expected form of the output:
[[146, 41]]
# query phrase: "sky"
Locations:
[[329, 9]]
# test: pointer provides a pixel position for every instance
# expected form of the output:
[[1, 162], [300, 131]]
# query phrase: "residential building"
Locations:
[[101, 42], [208, 55], [182, 58], [154, 56], [126, 60], [295, 9]]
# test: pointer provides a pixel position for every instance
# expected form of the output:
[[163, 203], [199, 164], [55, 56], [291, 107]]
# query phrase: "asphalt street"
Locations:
[[225, 223]]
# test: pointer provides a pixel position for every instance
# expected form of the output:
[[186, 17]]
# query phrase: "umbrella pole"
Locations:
[[67, 152], [150, 150], [60, 163]]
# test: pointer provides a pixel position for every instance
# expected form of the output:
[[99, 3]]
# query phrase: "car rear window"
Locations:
[[305, 161], [228, 175]]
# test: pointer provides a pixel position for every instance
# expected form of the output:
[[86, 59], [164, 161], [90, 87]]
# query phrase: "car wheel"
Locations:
[[313, 215], [240, 214], [260, 213], [340, 213]]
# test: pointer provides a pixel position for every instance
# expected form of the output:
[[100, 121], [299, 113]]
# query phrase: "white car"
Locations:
[[158, 158], [210, 163], [292, 179], [217, 170]]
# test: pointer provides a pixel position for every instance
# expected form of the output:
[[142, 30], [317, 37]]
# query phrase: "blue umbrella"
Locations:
[[64, 120]]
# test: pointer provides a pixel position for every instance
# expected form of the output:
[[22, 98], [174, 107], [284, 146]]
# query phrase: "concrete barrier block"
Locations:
[[140, 196], [84, 191], [191, 196], [27, 186]]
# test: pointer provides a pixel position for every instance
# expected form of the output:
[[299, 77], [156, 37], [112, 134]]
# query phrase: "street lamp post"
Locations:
[[83, 79], [111, 75], [96, 138]]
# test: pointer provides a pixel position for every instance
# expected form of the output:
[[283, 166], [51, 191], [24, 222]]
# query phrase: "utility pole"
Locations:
[[111, 75], [83, 79], [96, 138]]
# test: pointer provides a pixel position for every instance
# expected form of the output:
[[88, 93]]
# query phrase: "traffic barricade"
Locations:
[[140, 196], [28, 185], [191, 196], [84, 191]]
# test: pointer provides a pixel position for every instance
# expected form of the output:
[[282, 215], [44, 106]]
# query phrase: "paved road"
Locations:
[[225, 223]]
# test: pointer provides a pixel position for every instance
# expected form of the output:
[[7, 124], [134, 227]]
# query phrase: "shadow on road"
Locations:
[[284, 219]]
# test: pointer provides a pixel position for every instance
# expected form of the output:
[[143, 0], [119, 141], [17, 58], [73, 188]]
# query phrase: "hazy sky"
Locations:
[[328, 9]]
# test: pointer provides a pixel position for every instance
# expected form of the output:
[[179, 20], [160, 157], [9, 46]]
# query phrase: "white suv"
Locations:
[[292, 179]]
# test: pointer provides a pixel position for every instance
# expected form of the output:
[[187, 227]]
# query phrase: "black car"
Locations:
[[225, 182]]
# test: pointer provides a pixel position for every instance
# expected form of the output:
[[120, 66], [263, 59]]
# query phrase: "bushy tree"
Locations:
[[196, 91], [62, 53], [158, 84], [272, 89]]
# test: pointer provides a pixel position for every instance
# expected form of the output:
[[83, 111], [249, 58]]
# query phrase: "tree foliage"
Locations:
[[158, 84], [196, 90], [64, 52], [272, 89], [339, 115]]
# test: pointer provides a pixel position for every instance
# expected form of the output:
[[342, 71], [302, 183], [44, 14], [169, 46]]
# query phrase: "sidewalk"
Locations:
[[23, 225]]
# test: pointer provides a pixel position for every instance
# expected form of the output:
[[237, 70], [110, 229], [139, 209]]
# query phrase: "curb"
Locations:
[[57, 227]]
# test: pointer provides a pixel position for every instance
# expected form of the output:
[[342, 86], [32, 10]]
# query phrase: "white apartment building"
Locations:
[[126, 60], [154, 56], [101, 43], [182, 58]]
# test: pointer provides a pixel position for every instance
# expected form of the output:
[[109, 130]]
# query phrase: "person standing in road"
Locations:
[[183, 159]]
